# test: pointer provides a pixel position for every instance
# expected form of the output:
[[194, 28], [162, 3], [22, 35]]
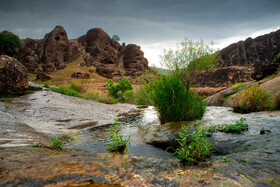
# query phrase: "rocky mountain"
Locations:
[[244, 61], [97, 48]]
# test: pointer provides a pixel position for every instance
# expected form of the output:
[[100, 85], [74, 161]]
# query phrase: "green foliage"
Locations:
[[238, 86], [277, 57], [119, 144], [36, 144], [174, 101], [225, 159], [59, 141], [46, 84], [253, 99], [194, 147], [9, 43], [4, 100], [116, 37], [128, 96], [117, 91], [189, 59], [67, 91], [237, 128], [75, 87]]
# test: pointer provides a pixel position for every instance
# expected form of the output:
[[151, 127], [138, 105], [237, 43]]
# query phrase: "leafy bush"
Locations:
[[119, 144], [194, 147], [238, 86], [128, 96], [59, 141], [9, 43], [116, 37], [189, 59], [117, 91], [237, 128], [253, 99], [174, 101], [277, 101]]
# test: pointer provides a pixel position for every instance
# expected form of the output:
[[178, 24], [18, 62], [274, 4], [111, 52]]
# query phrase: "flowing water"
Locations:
[[253, 159]]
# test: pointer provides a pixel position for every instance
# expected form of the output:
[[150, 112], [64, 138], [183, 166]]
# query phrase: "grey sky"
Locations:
[[153, 24]]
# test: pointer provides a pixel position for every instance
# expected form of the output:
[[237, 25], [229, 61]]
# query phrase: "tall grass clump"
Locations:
[[254, 99], [174, 101], [170, 93], [277, 100]]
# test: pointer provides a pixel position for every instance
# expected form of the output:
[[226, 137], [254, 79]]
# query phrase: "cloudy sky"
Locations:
[[152, 24]]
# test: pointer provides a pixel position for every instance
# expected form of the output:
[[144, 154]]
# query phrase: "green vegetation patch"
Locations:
[[254, 99], [236, 128], [60, 140], [119, 143], [238, 86], [118, 91], [195, 150]]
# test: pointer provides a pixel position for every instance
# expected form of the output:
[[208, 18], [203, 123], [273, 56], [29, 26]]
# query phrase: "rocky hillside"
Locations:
[[244, 61], [97, 48]]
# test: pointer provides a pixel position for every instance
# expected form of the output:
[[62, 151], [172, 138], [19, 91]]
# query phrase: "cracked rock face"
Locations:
[[13, 76], [244, 61]]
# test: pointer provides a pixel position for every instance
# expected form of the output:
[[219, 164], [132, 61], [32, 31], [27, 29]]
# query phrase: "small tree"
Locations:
[[117, 91], [189, 59], [116, 37], [9, 43]]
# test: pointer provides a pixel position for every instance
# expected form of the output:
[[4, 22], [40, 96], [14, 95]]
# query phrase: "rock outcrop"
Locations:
[[244, 61], [97, 48], [111, 59], [13, 76]]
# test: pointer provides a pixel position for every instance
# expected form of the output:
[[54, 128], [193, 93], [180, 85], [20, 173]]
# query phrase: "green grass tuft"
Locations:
[[238, 86]]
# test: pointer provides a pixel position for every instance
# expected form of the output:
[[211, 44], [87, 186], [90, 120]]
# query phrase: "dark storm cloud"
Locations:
[[143, 20]]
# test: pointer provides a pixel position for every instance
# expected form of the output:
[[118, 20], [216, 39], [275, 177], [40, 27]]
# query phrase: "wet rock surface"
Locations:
[[253, 159], [29, 166]]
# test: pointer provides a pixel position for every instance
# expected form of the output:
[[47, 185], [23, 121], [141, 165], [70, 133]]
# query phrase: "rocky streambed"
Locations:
[[252, 159]]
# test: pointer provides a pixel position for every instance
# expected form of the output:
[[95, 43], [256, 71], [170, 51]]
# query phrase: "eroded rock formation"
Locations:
[[111, 59], [96, 48], [13, 76], [244, 61]]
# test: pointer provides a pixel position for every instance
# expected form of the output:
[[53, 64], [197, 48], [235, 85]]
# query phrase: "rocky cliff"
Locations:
[[97, 49], [244, 61]]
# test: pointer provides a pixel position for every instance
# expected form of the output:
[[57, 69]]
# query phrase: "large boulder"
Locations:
[[13, 76]]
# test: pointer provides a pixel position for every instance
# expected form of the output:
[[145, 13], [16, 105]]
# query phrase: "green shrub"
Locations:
[[194, 147], [237, 128], [119, 144], [75, 87], [116, 37], [59, 141], [277, 101], [46, 84], [238, 86], [253, 99], [128, 96], [174, 101], [117, 91], [9, 43]]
